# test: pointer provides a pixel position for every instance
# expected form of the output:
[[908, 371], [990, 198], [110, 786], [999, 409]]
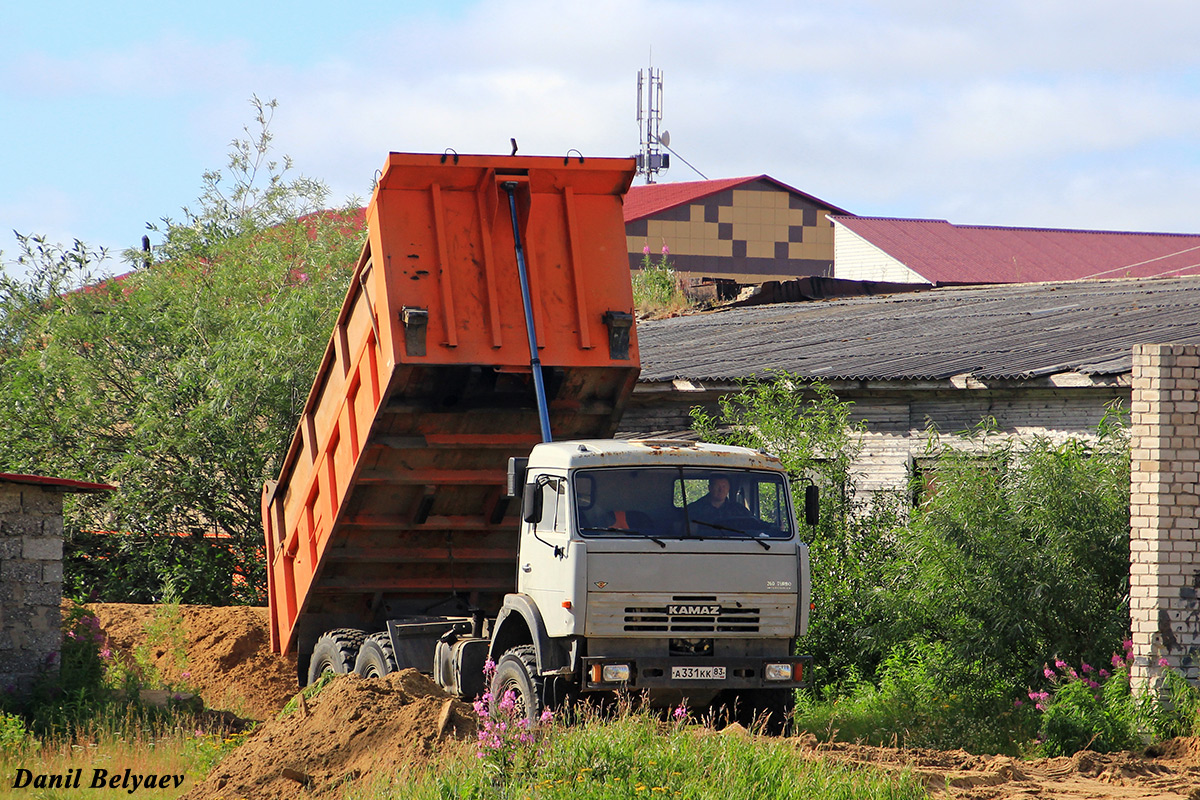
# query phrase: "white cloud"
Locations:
[[1000, 113]]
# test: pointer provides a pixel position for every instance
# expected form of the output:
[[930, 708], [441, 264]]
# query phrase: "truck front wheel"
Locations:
[[516, 672], [335, 652]]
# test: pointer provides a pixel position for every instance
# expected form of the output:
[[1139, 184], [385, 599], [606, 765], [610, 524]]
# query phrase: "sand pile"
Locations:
[[227, 652], [354, 728]]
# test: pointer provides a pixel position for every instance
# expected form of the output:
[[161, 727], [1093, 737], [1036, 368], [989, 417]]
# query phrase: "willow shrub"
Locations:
[[1019, 555]]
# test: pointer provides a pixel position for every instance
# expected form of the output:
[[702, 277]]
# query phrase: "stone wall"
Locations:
[[1164, 572], [31, 571]]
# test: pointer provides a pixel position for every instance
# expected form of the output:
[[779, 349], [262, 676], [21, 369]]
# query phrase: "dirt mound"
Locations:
[[354, 728], [226, 652], [1168, 770], [357, 729]]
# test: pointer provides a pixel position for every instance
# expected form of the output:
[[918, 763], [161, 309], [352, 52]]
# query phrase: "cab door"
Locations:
[[545, 568]]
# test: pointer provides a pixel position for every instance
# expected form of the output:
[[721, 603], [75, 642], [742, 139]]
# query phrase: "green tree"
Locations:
[[811, 431], [181, 381]]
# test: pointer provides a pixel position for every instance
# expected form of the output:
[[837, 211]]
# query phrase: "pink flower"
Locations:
[[1091, 684], [1049, 673], [1162, 662], [1058, 662], [106, 653], [1128, 645], [666, 250], [1074, 675], [680, 712], [546, 716], [1103, 673], [1017, 703], [1086, 667], [1117, 661], [489, 668], [646, 250], [185, 675]]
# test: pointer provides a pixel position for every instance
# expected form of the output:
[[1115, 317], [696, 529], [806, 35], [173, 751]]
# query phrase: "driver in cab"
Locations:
[[717, 505]]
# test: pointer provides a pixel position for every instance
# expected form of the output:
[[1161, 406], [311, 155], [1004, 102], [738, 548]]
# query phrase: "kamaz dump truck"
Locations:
[[425, 517]]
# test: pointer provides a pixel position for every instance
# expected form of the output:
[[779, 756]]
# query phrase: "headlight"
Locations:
[[615, 673], [777, 672]]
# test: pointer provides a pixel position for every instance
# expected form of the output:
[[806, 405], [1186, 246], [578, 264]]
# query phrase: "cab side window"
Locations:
[[554, 506]]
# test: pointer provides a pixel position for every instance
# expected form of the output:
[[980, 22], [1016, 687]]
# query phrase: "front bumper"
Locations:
[[656, 673]]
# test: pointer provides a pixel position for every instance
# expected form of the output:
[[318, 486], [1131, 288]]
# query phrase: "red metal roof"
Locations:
[[649, 199], [943, 253], [62, 484]]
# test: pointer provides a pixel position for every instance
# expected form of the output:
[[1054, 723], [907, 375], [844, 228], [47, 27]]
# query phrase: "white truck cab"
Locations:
[[666, 566]]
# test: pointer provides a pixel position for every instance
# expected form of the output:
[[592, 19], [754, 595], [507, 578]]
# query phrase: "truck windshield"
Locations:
[[674, 503]]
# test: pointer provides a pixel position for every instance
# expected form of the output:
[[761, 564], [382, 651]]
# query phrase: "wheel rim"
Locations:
[[520, 706]]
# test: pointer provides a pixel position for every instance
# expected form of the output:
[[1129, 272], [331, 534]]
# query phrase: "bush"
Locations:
[[1019, 552]]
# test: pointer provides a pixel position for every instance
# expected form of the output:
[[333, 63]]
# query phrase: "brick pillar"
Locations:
[[1164, 572], [31, 550]]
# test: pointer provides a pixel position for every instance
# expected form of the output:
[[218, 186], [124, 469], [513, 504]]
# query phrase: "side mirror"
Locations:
[[812, 505], [531, 503], [516, 476]]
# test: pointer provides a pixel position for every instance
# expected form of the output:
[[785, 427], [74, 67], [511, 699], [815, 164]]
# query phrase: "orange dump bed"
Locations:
[[393, 489]]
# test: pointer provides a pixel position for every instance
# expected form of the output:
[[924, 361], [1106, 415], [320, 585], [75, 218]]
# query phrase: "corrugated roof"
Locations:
[[944, 253], [61, 484], [999, 332], [651, 198]]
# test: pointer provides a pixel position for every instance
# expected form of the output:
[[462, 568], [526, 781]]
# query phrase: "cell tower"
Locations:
[[650, 158]]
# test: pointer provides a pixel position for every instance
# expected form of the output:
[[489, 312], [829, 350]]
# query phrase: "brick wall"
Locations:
[[31, 549], [1164, 572]]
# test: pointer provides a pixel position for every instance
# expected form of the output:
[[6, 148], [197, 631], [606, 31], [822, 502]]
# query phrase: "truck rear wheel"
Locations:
[[516, 672], [335, 652], [376, 657]]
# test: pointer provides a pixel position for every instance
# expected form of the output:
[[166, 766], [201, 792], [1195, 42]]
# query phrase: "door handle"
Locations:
[[526, 568]]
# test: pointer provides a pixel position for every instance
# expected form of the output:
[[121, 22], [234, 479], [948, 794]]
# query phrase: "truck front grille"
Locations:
[[656, 619]]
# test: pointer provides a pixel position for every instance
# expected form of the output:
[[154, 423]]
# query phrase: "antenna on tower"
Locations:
[[650, 159]]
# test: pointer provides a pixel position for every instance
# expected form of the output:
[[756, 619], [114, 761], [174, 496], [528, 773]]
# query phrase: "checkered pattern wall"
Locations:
[[755, 232]]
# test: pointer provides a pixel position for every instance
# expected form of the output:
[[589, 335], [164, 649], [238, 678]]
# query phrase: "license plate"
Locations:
[[698, 673]]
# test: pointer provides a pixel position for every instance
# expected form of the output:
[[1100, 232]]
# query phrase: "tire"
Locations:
[[376, 657], [335, 652], [516, 671]]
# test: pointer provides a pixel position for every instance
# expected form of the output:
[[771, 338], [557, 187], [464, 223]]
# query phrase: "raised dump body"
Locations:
[[391, 499]]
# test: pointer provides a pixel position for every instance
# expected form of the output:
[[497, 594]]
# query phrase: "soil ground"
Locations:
[[355, 726]]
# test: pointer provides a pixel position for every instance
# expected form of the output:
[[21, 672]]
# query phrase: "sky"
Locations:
[[1040, 113]]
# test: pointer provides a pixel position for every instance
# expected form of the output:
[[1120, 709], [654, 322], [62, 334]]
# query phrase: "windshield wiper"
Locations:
[[610, 529], [741, 534]]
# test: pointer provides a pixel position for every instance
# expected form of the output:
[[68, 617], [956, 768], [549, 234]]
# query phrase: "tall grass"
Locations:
[[114, 744], [638, 755], [656, 291], [91, 715]]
